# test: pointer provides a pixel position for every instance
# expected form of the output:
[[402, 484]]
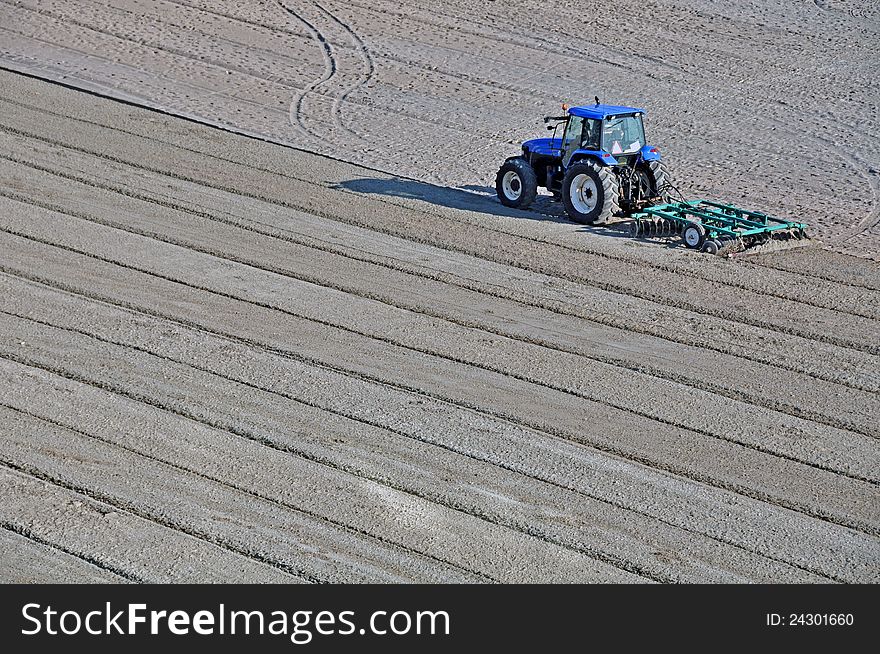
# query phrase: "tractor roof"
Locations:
[[601, 110]]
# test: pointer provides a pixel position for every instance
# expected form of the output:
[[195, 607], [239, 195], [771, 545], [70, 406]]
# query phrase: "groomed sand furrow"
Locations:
[[114, 537], [500, 498], [693, 496], [29, 559], [836, 267], [395, 518], [462, 234], [41, 452], [280, 366], [774, 353], [522, 360], [418, 427], [791, 284], [681, 68], [500, 397], [783, 317], [849, 461], [252, 519], [842, 412], [848, 414], [327, 428]]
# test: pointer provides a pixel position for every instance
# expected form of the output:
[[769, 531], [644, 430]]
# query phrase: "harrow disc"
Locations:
[[635, 228], [711, 246]]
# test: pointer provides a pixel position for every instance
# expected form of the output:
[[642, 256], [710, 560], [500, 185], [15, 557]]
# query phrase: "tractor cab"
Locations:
[[602, 129]]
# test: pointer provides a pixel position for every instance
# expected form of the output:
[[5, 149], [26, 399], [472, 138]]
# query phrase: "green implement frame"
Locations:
[[713, 224]]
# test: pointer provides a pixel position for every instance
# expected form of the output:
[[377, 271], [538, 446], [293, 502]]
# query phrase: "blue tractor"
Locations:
[[600, 166]]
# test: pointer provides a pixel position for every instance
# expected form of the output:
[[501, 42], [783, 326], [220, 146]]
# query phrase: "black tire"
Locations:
[[658, 175], [516, 183], [693, 235], [597, 200], [711, 246]]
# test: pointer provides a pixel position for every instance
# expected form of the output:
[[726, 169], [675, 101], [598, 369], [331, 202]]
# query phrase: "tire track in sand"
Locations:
[[332, 68], [363, 80], [297, 114]]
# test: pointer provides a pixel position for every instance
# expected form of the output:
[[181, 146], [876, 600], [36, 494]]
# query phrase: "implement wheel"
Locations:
[[711, 246], [694, 235], [516, 183], [590, 193]]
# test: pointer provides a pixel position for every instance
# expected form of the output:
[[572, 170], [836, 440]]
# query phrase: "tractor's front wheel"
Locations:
[[590, 193], [516, 183]]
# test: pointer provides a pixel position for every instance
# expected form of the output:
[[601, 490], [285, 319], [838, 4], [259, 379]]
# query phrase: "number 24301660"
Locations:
[[810, 619]]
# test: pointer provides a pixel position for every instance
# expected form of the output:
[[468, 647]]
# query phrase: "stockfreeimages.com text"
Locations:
[[300, 626]]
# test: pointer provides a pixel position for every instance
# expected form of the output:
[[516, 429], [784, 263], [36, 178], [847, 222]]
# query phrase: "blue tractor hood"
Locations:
[[544, 147]]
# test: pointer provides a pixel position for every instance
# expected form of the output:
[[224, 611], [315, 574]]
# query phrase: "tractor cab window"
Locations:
[[571, 140], [592, 134], [580, 133], [623, 134]]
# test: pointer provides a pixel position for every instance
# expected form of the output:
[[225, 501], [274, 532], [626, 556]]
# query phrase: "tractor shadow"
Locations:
[[482, 199]]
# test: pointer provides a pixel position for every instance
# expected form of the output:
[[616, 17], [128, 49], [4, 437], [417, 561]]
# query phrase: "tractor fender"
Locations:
[[650, 153], [601, 158]]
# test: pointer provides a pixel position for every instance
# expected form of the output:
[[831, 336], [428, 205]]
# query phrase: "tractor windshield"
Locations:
[[623, 134]]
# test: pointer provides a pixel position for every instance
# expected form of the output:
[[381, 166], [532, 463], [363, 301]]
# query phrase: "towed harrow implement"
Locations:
[[714, 227]]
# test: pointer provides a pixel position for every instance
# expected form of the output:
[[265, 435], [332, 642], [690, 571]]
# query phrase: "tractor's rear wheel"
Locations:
[[590, 193], [658, 178], [516, 183]]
